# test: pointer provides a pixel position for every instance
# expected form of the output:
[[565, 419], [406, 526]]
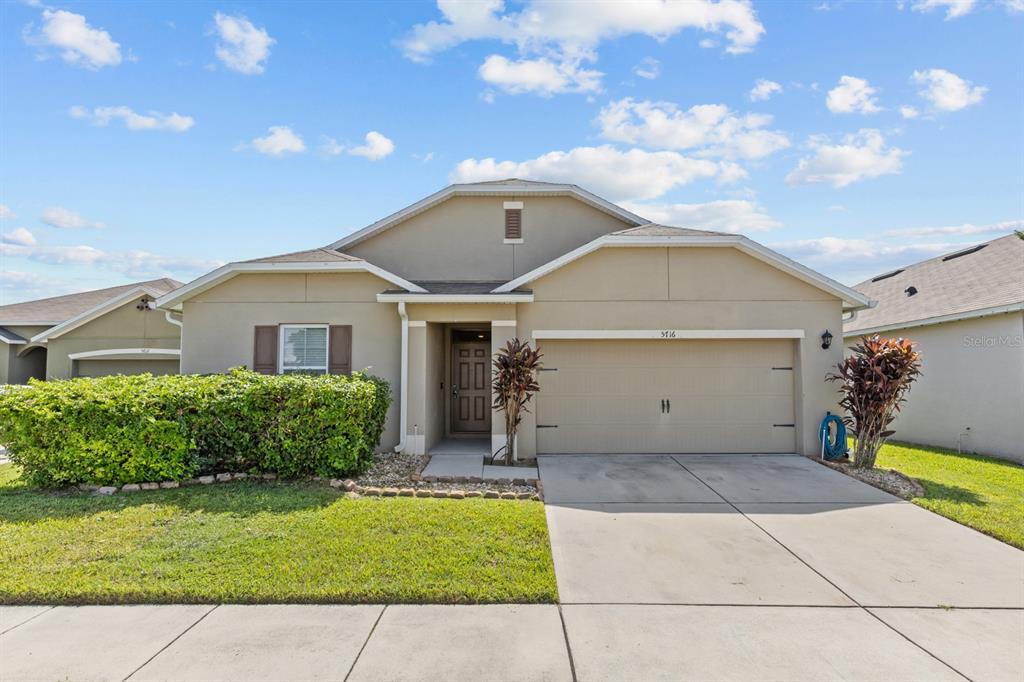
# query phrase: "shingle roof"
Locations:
[[456, 287], [990, 276], [319, 255], [516, 181], [655, 230], [7, 336], [61, 308]]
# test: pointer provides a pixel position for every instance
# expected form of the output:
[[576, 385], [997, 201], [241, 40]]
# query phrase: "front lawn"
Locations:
[[981, 492], [267, 542]]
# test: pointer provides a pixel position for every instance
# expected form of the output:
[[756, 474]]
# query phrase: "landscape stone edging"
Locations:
[[418, 476], [348, 484]]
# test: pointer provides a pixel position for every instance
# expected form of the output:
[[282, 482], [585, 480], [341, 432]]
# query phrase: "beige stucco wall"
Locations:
[[218, 323], [463, 238], [692, 288], [21, 361], [123, 327], [972, 376]]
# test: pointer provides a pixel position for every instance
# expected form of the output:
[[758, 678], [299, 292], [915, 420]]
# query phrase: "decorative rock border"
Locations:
[[348, 484], [418, 476]]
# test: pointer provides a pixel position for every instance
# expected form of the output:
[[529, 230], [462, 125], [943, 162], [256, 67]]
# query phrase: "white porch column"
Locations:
[[501, 332]]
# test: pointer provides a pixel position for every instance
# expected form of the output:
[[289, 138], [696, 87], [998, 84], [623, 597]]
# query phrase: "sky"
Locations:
[[165, 139]]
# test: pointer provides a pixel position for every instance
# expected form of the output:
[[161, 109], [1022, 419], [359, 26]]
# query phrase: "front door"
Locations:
[[471, 388]]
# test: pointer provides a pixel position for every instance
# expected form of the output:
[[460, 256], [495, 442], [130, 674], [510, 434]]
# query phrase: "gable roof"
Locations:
[[974, 281], [96, 311], [511, 187], [323, 259], [57, 309], [10, 338], [663, 235]]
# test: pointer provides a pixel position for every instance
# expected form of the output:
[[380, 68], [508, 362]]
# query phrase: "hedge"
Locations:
[[134, 429]]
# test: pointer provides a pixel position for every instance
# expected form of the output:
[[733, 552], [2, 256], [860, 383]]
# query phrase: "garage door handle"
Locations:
[[663, 406], [668, 406]]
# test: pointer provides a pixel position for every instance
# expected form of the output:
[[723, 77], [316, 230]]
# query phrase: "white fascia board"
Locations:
[[851, 298], [668, 334], [455, 298], [939, 319], [13, 342], [30, 323], [173, 299], [163, 352], [91, 314], [486, 190]]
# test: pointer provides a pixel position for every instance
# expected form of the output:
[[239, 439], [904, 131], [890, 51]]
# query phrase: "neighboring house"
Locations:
[[93, 333], [655, 339], [965, 312]]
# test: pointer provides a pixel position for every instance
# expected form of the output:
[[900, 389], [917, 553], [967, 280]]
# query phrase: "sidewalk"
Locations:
[[494, 642]]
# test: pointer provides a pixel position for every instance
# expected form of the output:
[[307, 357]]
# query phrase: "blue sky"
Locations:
[[167, 138]]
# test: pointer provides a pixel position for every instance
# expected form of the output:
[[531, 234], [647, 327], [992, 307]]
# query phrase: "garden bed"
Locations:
[[889, 480]]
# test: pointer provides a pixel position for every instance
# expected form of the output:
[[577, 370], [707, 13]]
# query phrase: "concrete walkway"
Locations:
[[669, 568]]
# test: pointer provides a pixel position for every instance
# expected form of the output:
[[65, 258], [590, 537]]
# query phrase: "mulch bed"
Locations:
[[889, 480], [399, 470]]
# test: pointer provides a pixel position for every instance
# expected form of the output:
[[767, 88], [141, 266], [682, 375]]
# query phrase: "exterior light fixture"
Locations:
[[826, 339]]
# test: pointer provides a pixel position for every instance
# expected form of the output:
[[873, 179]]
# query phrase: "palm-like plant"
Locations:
[[874, 381], [514, 382]]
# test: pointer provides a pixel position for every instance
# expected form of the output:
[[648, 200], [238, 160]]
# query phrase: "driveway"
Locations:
[[771, 567]]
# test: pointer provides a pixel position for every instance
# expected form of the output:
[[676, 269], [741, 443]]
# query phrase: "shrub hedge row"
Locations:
[[133, 429]]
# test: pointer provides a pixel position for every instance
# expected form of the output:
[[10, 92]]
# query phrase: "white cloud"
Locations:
[[19, 237], [731, 215], [763, 89], [854, 260], [154, 120], [852, 95], [954, 8], [711, 128], [859, 156], [1003, 227], [6, 213], [649, 68], [947, 91], [134, 263], [539, 76], [377, 146], [78, 42], [243, 47], [619, 175], [907, 111], [331, 147], [64, 219], [575, 29], [280, 140]]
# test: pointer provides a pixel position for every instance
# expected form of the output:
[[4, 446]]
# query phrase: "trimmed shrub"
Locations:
[[133, 429]]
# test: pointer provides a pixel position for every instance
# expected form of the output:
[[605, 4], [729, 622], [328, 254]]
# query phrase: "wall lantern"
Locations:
[[826, 339]]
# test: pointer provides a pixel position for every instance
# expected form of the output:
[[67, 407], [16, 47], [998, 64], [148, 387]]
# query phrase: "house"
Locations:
[[92, 333], [655, 339], [965, 312]]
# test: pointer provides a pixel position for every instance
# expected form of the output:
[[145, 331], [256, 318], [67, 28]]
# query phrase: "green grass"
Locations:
[[250, 542], [980, 492]]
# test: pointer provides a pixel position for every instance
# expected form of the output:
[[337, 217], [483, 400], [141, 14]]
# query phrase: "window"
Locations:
[[303, 349]]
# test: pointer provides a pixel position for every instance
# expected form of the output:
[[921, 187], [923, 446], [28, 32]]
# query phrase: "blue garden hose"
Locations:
[[832, 447]]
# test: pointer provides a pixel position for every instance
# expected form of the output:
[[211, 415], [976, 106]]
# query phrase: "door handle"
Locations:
[[455, 390]]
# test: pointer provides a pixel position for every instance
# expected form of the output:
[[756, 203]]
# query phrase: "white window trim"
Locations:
[[280, 347]]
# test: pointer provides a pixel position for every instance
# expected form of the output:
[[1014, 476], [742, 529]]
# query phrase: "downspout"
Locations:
[[403, 399], [181, 335], [176, 322]]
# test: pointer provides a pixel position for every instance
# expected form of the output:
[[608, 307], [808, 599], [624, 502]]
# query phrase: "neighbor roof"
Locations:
[[51, 311], [511, 187], [969, 282]]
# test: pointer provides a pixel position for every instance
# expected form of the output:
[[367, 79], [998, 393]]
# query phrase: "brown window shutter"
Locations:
[[513, 223], [340, 348], [264, 353]]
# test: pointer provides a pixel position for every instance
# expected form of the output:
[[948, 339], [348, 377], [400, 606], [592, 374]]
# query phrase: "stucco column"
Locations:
[[416, 388], [501, 332]]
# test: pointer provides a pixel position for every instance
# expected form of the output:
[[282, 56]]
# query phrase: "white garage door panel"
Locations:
[[725, 396]]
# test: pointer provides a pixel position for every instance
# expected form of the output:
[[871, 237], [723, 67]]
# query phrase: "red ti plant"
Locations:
[[514, 381], [874, 380]]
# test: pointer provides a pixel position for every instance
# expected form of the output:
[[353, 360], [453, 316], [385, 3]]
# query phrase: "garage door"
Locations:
[[103, 368], [655, 396]]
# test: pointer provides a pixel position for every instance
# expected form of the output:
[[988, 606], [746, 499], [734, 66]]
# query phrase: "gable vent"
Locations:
[[513, 223], [965, 252], [886, 275]]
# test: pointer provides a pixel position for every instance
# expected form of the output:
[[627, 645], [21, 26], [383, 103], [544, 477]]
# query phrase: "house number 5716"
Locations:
[[668, 334]]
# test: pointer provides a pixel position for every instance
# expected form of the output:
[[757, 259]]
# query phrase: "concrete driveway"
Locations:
[[771, 567]]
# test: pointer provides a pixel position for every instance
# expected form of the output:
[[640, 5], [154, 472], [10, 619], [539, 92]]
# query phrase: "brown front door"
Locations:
[[471, 387]]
